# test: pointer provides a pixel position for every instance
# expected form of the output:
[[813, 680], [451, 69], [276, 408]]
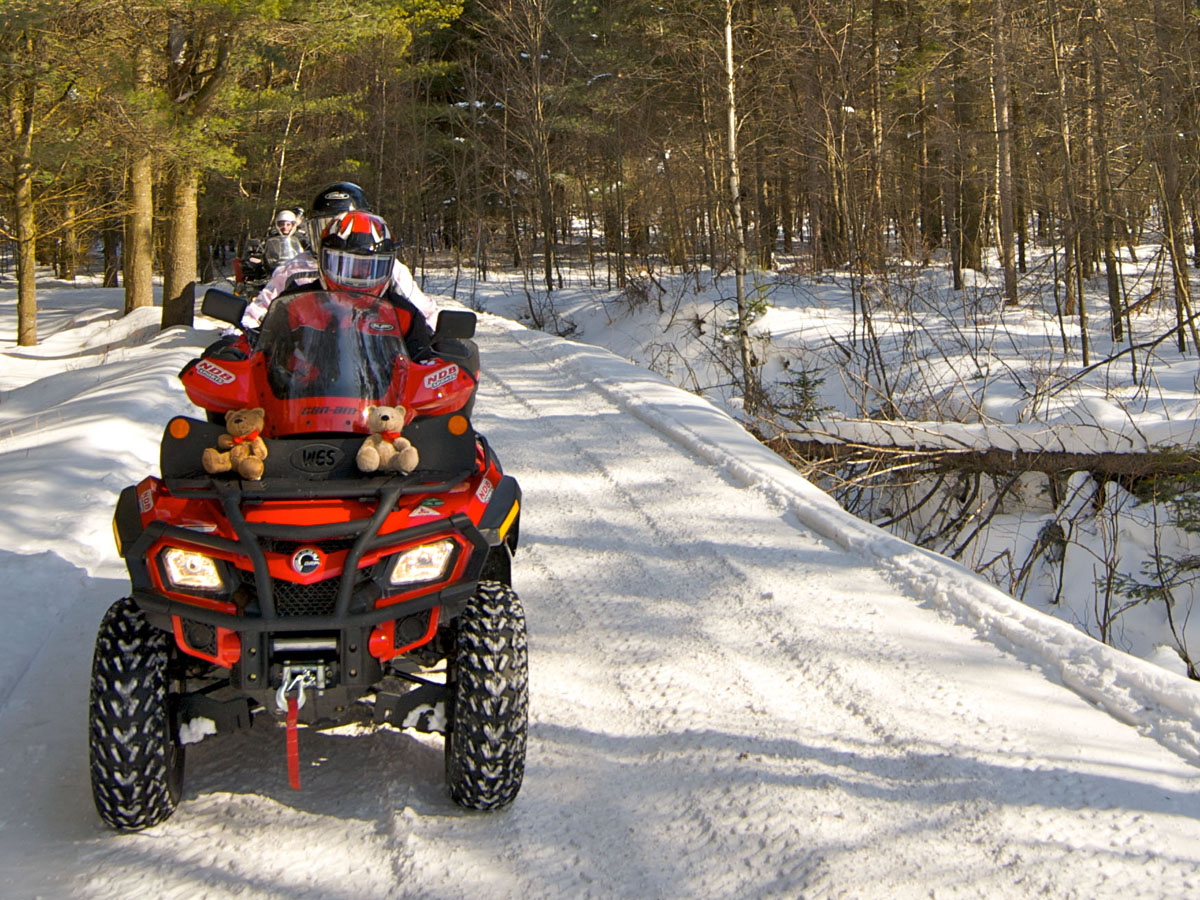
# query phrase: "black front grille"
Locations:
[[316, 599], [292, 599]]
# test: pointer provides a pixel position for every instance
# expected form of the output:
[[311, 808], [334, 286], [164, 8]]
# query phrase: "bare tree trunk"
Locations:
[[548, 232], [1003, 149], [111, 236], [1107, 229], [931, 213], [21, 98], [676, 245], [620, 249], [709, 168], [1168, 168], [707, 154], [1021, 179], [26, 251], [818, 187], [179, 264], [876, 228], [951, 172], [138, 246], [69, 255], [139, 224], [287, 132], [969, 192], [1072, 237], [787, 210], [749, 392], [197, 57]]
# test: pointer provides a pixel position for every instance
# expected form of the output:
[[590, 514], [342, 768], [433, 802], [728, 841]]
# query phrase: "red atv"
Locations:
[[316, 594]]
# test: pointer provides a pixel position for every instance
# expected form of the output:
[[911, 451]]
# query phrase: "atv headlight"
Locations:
[[189, 569], [424, 563]]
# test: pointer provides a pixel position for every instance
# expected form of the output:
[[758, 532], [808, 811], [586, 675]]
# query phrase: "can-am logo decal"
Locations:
[[376, 325], [306, 561], [213, 372], [316, 457], [428, 507], [484, 493], [443, 376]]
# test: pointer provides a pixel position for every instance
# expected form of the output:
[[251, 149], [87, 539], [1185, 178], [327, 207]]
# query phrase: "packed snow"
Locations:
[[737, 688], [963, 371]]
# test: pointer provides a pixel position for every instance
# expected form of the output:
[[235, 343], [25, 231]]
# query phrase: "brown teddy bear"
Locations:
[[241, 448], [385, 450]]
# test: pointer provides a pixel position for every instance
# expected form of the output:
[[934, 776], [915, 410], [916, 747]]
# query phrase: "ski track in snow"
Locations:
[[736, 691]]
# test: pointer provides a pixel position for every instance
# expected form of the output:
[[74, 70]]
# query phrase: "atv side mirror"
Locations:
[[457, 324], [223, 306]]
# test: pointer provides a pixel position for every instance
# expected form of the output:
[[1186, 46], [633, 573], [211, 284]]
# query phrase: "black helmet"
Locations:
[[331, 200], [339, 197]]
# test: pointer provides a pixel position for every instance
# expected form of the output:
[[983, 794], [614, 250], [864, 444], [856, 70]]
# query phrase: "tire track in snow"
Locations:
[[656, 695], [828, 682]]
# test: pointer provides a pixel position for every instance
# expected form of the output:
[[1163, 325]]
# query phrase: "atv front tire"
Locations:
[[136, 758], [489, 671]]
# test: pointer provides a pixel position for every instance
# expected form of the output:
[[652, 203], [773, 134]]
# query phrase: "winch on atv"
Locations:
[[315, 594]]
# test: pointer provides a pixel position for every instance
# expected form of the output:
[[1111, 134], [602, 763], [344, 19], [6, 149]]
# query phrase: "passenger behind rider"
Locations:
[[287, 222], [330, 202]]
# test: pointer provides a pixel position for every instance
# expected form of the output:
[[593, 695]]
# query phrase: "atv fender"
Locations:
[[500, 526], [127, 521]]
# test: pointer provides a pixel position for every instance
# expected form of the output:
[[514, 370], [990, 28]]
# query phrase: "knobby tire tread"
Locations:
[[485, 748], [135, 757]]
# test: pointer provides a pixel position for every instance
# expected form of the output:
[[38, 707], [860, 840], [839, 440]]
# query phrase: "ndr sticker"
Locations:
[[442, 376], [146, 500], [484, 493], [213, 372]]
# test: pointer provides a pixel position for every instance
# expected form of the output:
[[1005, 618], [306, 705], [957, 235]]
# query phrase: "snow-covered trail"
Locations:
[[723, 705]]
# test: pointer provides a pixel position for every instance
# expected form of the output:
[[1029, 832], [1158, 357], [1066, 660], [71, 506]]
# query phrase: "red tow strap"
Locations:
[[293, 744]]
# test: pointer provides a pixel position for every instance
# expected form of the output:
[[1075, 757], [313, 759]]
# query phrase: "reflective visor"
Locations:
[[354, 270]]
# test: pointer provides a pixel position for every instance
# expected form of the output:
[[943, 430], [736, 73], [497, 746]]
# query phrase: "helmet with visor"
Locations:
[[356, 253]]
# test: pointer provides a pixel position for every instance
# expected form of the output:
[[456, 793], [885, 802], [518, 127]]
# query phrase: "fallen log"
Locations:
[[1167, 449]]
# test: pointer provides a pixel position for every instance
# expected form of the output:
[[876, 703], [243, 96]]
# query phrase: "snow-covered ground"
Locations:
[[1095, 555], [737, 689]]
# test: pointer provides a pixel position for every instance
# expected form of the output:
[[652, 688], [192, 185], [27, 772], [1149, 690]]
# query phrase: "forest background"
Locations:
[[637, 145], [868, 132]]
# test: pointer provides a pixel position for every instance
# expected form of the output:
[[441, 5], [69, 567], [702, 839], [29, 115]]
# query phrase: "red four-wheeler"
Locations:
[[316, 594]]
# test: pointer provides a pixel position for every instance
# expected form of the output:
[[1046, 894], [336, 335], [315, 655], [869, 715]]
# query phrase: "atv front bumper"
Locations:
[[336, 623]]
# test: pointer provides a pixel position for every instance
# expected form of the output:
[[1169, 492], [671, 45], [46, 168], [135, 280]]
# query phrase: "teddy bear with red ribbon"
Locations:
[[241, 449], [386, 449]]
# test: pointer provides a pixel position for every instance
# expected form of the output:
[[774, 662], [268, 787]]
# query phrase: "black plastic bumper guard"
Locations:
[[353, 626]]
